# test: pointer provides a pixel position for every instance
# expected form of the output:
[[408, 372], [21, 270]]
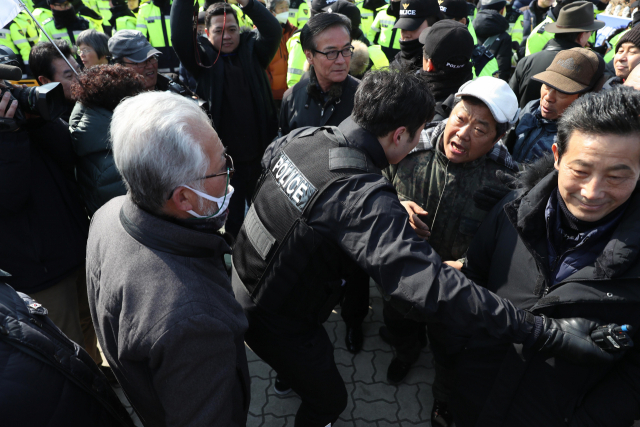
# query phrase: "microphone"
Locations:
[[9, 72]]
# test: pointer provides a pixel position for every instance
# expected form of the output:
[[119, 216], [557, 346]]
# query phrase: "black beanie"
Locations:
[[631, 36]]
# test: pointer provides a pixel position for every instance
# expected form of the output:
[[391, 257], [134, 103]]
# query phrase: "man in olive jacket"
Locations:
[[565, 244], [449, 191], [160, 295]]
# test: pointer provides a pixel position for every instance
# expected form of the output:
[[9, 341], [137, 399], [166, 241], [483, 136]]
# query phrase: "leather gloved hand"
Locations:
[[570, 339], [487, 197]]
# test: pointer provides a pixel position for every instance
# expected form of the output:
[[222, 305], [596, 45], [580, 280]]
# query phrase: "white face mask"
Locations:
[[282, 17], [222, 202]]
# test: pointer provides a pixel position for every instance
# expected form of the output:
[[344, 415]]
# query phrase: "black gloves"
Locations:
[[487, 197], [571, 340]]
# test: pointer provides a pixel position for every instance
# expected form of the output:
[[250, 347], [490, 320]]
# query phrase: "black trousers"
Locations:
[[355, 305], [302, 355], [407, 334], [244, 183]]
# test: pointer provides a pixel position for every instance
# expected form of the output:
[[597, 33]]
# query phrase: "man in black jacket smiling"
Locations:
[[565, 244], [230, 70]]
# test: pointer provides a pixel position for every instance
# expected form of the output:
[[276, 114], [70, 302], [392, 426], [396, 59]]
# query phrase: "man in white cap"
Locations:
[[443, 185]]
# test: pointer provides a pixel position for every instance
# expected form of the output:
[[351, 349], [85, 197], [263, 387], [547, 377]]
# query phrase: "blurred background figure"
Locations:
[[93, 48]]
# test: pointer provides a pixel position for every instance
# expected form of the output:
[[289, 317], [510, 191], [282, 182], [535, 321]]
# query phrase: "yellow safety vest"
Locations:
[[62, 33], [382, 28], [377, 56], [367, 16], [300, 15], [20, 36], [296, 61]]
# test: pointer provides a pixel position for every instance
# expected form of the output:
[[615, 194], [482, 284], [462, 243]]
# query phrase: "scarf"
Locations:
[[324, 98], [64, 18], [411, 51], [443, 83]]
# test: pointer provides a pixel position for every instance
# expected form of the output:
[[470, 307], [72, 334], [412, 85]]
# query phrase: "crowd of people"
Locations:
[[215, 174]]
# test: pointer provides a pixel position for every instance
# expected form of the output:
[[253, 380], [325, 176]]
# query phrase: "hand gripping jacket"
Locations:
[[283, 262]]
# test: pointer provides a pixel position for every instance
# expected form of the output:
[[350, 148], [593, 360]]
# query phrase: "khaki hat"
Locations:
[[574, 18], [573, 71]]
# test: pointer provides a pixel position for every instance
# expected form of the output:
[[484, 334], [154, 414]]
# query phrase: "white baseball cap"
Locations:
[[496, 94]]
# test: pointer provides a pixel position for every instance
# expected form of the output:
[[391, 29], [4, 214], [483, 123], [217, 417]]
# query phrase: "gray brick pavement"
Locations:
[[372, 401]]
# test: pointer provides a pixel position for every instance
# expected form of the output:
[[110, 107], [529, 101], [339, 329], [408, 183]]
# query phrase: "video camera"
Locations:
[[45, 101]]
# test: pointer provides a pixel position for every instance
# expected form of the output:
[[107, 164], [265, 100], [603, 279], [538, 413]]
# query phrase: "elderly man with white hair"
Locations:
[[160, 295]]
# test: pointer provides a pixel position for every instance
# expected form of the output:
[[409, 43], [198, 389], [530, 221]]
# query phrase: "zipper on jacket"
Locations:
[[446, 175]]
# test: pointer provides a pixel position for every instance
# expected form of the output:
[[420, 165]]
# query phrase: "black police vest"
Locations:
[[280, 260]]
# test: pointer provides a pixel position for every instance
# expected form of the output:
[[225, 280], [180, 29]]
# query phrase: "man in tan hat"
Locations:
[[572, 73], [572, 29]]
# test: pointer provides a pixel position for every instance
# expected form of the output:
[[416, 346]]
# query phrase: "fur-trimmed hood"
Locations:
[[359, 59], [534, 172]]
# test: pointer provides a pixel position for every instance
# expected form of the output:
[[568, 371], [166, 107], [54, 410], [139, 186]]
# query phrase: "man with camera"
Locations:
[[42, 220], [49, 66]]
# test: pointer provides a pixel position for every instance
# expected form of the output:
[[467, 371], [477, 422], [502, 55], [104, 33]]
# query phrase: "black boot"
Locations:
[[354, 338], [407, 352], [440, 416]]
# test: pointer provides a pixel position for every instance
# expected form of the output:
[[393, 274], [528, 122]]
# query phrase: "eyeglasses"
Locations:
[[152, 60], [230, 169], [85, 51], [229, 172], [332, 55]]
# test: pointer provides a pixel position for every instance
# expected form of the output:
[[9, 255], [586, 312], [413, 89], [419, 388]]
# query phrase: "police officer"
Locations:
[[153, 23], [384, 33], [122, 18], [298, 13], [322, 209], [20, 35], [65, 22]]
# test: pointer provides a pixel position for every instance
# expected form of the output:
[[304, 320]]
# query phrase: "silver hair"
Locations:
[[272, 4], [154, 147]]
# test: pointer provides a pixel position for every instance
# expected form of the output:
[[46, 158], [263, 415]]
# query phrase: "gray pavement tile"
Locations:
[[373, 411], [375, 391], [364, 368], [410, 407]]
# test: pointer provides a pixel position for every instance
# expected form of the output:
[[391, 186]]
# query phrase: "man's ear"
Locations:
[[43, 80], [180, 199], [429, 66], [556, 161], [309, 56], [397, 135]]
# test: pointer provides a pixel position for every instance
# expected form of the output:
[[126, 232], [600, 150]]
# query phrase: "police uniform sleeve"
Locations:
[[373, 229]]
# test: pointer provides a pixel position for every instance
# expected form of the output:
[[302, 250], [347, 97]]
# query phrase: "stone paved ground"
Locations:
[[372, 401]]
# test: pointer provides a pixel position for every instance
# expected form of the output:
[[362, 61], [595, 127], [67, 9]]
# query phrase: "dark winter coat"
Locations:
[[256, 50], [305, 105], [166, 318], [45, 378], [533, 136], [490, 23], [42, 221], [522, 84], [96, 172], [498, 385]]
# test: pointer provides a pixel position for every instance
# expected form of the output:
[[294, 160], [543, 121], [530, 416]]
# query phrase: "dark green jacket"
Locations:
[[445, 190], [96, 171]]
